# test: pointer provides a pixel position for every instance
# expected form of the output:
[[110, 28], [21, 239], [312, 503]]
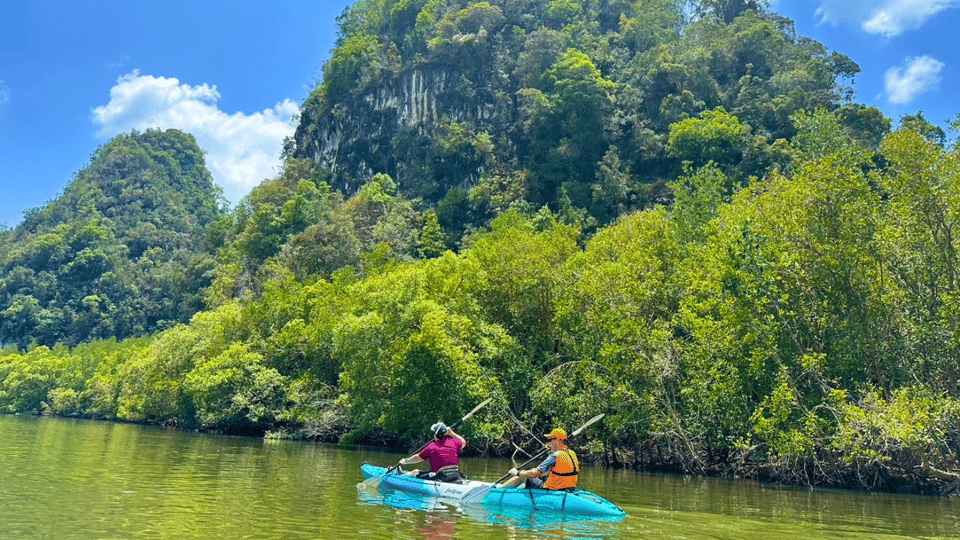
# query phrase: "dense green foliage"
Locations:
[[803, 329], [122, 252], [541, 96], [786, 308]]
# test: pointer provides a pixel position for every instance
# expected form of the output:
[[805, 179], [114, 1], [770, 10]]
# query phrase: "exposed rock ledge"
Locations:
[[359, 137]]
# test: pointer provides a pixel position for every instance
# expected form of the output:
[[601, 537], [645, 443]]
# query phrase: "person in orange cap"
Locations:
[[561, 468]]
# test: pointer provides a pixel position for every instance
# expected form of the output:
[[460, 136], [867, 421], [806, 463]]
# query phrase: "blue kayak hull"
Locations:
[[579, 502]]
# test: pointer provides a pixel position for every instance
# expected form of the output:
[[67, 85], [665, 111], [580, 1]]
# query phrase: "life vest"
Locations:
[[564, 473]]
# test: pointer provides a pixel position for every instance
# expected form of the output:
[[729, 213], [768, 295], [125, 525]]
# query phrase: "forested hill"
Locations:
[[666, 212], [509, 101], [122, 252]]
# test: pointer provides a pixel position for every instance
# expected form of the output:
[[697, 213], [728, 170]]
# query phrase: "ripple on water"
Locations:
[[85, 480]]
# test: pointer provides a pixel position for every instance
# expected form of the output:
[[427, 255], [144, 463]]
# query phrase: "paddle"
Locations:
[[478, 493], [375, 481]]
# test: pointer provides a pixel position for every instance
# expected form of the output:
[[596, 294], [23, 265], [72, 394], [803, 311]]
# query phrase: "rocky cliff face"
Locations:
[[382, 129]]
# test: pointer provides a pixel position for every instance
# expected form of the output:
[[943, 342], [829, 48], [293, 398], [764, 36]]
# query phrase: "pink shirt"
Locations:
[[443, 452]]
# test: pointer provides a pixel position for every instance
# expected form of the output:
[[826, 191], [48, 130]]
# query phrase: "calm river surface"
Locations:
[[86, 480]]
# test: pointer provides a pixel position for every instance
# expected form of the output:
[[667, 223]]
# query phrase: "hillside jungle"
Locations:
[[669, 213]]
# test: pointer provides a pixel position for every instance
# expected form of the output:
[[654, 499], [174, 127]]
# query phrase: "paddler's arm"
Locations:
[[411, 460], [539, 470], [529, 473], [452, 434]]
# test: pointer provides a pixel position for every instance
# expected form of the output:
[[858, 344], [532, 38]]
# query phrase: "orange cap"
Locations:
[[557, 433]]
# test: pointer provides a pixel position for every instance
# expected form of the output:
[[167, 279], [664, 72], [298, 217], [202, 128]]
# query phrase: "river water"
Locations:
[[87, 480]]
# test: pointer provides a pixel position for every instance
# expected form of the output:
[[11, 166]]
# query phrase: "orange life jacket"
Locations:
[[564, 473]]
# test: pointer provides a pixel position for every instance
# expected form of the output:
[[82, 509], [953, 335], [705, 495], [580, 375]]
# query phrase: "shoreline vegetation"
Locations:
[[676, 219], [803, 331]]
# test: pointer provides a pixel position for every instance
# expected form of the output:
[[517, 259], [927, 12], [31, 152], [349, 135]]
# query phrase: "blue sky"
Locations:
[[74, 73], [907, 58]]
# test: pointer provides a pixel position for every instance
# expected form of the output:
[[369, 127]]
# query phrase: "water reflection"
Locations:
[[671, 506], [83, 480], [552, 524], [436, 526], [439, 517]]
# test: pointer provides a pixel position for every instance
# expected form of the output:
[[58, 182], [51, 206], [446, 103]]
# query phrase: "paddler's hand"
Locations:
[[403, 461], [514, 472]]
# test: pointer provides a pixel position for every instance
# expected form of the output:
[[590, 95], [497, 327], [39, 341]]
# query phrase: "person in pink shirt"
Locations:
[[443, 454]]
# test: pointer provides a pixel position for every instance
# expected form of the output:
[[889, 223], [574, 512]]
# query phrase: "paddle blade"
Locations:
[[475, 409], [588, 424], [366, 485], [476, 494], [373, 482]]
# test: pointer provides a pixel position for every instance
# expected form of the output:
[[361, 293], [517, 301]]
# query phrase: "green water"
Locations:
[[85, 480]]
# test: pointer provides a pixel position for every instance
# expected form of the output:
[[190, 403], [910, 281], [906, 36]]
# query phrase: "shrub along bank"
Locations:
[[802, 329]]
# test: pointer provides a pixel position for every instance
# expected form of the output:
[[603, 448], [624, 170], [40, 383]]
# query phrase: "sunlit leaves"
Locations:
[[919, 240], [130, 230], [697, 196], [907, 430], [431, 243], [614, 314], [479, 15], [566, 119], [518, 283], [412, 351], [352, 66], [714, 136], [234, 390]]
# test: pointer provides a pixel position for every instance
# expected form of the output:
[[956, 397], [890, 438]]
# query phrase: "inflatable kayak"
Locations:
[[579, 502]]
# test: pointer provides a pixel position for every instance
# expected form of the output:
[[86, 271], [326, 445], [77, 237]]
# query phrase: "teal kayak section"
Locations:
[[579, 502]]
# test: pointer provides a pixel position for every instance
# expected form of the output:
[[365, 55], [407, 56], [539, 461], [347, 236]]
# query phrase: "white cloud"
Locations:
[[916, 76], [241, 149], [888, 18]]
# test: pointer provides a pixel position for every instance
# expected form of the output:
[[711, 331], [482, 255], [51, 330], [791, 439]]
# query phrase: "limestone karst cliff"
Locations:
[[380, 130], [549, 100]]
